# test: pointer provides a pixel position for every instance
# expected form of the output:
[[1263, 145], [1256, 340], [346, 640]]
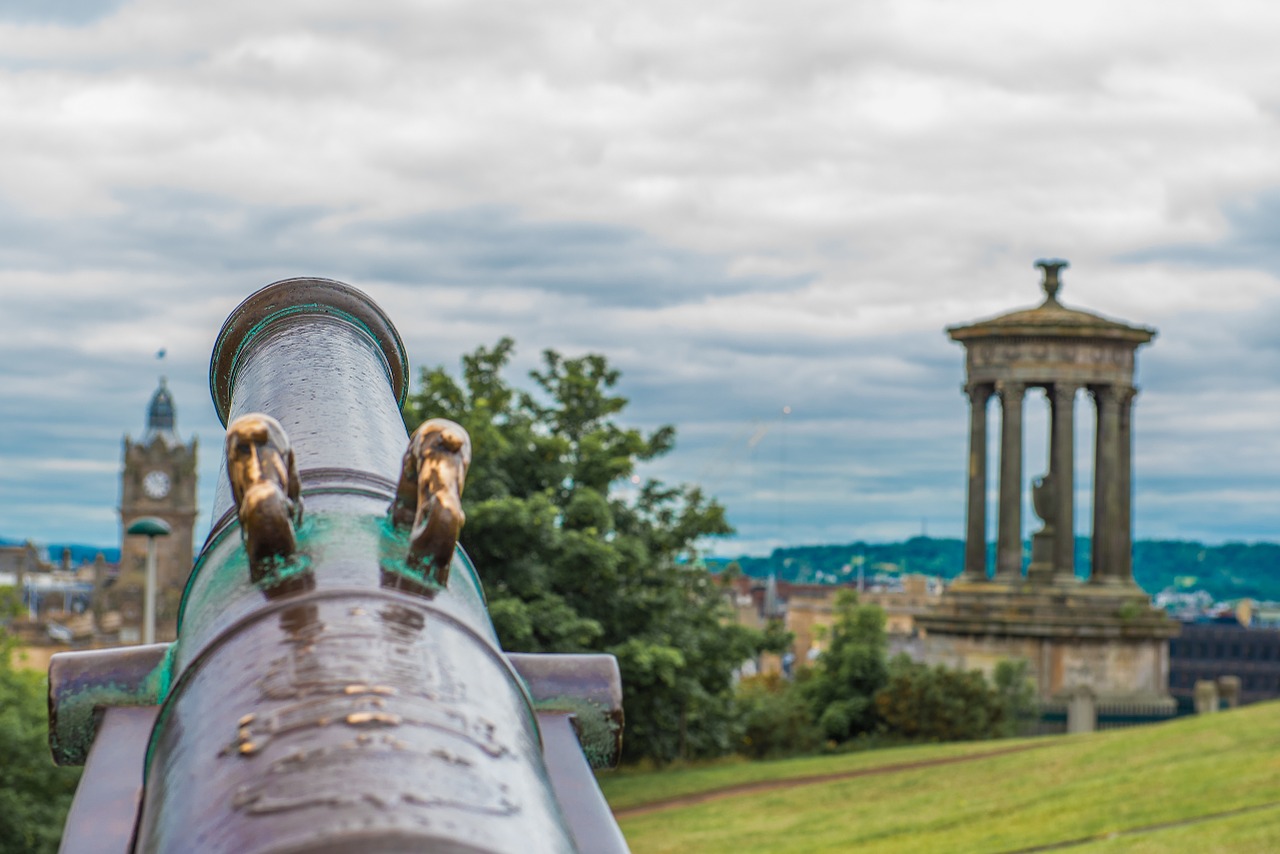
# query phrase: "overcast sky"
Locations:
[[745, 205]]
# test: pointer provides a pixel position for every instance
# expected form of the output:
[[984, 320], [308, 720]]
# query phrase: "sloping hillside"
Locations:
[[1197, 784]]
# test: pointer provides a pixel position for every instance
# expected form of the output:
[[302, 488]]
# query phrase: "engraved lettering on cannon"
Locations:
[[322, 778], [367, 671], [364, 713], [331, 659]]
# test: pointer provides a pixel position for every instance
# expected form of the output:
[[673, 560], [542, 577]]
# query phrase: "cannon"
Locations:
[[336, 684]]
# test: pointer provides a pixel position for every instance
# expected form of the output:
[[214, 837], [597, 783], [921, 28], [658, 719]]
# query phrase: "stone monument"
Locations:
[[1099, 634]]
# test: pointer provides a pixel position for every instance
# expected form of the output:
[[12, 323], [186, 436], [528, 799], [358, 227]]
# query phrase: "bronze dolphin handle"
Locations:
[[429, 495]]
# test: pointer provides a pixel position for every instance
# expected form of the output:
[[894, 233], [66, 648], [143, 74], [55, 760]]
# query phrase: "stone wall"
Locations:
[[1114, 669]]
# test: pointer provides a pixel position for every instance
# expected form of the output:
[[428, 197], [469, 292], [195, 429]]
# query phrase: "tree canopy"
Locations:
[[850, 671], [34, 793], [577, 555]]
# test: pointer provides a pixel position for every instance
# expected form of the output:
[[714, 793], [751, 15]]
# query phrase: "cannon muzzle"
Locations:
[[336, 684]]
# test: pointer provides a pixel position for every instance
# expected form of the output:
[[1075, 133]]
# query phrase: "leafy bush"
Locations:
[[774, 717], [940, 704], [1017, 692]]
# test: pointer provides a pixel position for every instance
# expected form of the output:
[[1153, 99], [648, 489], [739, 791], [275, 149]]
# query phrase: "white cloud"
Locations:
[[740, 203]]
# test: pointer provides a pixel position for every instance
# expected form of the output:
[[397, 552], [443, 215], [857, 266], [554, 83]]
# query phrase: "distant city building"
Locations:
[[1211, 650], [19, 561], [1184, 605], [56, 600], [99, 603], [808, 610], [158, 479]]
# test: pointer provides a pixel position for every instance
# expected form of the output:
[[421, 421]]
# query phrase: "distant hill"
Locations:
[[1227, 572], [840, 563]]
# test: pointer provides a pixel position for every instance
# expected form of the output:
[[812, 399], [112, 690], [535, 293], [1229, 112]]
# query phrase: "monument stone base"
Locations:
[[1076, 636]]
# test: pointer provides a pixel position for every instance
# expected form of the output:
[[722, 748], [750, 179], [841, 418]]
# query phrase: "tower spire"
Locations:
[[162, 416]]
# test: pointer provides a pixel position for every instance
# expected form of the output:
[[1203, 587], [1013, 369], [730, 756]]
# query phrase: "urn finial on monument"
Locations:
[[1052, 283]]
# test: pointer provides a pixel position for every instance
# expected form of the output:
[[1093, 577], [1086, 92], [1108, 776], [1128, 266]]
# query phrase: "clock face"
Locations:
[[156, 484]]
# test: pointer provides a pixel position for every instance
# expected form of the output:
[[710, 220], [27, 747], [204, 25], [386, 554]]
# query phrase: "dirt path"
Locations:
[[791, 783]]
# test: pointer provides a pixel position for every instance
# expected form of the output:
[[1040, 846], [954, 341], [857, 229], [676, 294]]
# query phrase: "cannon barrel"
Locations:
[[333, 686]]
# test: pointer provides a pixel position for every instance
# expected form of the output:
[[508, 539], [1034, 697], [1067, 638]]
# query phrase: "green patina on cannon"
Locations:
[[336, 684]]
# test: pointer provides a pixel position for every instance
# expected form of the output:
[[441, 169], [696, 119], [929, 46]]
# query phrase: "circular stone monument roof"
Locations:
[[1052, 319]]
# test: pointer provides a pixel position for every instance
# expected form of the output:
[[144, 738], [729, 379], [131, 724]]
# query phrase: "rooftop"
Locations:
[[1052, 319]]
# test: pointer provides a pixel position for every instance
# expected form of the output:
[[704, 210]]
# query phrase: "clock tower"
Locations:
[[159, 479]]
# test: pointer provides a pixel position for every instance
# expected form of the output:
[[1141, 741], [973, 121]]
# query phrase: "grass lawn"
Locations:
[[1155, 788], [630, 788]]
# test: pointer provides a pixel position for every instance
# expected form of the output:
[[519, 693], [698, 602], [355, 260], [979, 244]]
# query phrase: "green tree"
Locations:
[[849, 673], [775, 638], [34, 793], [570, 563]]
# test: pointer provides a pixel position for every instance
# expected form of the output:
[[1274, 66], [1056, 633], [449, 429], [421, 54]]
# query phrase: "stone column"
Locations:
[[1124, 530], [1009, 539], [1106, 485], [1062, 464], [975, 546]]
